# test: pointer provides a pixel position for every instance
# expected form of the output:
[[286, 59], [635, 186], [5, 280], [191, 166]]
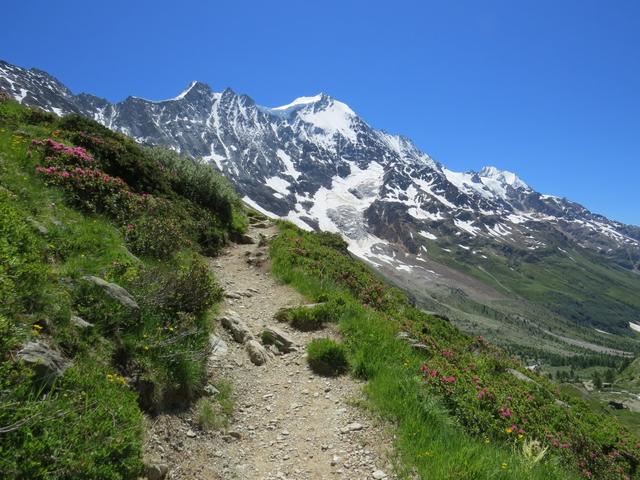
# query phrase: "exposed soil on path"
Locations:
[[289, 423]]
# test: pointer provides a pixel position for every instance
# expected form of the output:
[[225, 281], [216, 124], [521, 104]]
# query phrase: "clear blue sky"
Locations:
[[549, 89]]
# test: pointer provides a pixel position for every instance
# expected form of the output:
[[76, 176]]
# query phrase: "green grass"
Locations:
[[327, 357], [443, 430], [309, 318]]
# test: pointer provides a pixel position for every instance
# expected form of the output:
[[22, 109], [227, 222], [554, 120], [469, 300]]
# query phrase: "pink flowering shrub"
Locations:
[[60, 154], [94, 191]]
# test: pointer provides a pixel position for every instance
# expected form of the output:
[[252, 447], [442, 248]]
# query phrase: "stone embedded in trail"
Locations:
[[45, 362], [239, 331], [352, 427], [275, 336], [156, 471], [218, 346], [262, 224], [257, 353], [246, 239], [232, 295], [256, 259], [114, 291], [379, 475]]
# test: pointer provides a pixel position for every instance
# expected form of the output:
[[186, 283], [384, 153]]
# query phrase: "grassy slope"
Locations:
[[445, 430], [582, 288], [89, 423]]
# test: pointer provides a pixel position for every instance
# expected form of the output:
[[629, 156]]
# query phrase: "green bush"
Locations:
[[158, 233], [326, 357], [187, 286], [198, 182], [311, 318]]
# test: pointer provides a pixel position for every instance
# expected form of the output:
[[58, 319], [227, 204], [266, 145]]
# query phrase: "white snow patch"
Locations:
[[299, 102], [466, 226], [428, 235], [278, 184], [634, 326], [257, 207], [289, 167]]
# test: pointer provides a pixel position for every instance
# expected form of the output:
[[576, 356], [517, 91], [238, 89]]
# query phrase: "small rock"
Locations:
[[379, 475], [114, 291], [232, 295], [156, 471], [79, 322], [521, 376], [239, 331], [246, 239], [352, 427], [275, 336], [236, 435], [257, 353], [191, 433], [211, 390], [42, 230], [218, 346], [45, 362]]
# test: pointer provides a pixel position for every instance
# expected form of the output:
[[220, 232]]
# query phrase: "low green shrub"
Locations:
[[311, 318], [224, 397], [208, 415], [158, 232], [184, 285], [214, 413], [326, 357], [198, 182]]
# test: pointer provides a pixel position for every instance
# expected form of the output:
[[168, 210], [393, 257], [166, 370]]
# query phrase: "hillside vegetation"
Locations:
[[463, 408], [102, 277]]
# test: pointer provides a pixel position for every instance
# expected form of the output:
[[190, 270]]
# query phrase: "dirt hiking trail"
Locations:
[[288, 423]]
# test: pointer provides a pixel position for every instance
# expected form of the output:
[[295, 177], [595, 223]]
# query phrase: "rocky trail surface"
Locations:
[[288, 423]]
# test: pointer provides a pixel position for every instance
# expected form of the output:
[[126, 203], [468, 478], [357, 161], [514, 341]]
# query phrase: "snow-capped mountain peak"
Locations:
[[299, 102], [503, 176]]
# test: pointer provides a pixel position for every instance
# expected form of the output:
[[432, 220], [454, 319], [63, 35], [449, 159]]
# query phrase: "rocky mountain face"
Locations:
[[318, 164]]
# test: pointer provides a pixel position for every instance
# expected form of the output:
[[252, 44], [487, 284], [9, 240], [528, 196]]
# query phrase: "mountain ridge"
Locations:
[[316, 163]]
